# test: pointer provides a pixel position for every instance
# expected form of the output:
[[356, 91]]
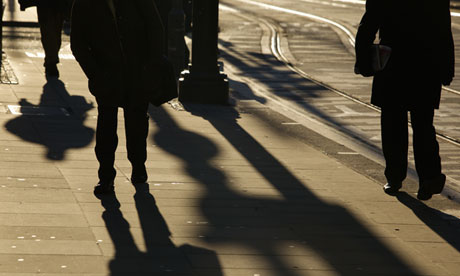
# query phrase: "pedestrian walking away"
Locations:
[[419, 34], [113, 55], [51, 15]]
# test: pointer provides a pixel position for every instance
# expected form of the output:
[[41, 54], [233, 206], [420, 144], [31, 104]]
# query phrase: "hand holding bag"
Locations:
[[159, 81], [380, 54]]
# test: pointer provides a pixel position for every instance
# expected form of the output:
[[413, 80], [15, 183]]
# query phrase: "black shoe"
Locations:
[[51, 71], [427, 188], [139, 175], [391, 187], [104, 188]]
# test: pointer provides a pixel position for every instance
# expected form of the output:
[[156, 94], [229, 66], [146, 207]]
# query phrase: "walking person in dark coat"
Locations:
[[112, 40], [422, 60], [51, 16]]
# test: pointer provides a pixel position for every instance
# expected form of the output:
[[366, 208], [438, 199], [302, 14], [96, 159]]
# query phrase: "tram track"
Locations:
[[275, 42], [279, 52]]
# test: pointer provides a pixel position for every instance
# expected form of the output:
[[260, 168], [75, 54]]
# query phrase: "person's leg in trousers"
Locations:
[[426, 153], [51, 21], [137, 126], [106, 142], [394, 143], [426, 148]]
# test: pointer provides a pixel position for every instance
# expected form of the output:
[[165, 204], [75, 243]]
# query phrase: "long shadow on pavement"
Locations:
[[311, 97], [446, 226], [288, 85], [52, 125], [264, 226], [161, 257]]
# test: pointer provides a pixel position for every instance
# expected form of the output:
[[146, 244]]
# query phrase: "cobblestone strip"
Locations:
[[7, 75]]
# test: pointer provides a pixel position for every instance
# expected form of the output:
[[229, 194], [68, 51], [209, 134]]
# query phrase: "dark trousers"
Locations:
[[136, 128], [395, 143], [51, 21]]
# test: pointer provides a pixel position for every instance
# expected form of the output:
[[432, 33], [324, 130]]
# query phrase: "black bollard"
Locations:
[[204, 83]]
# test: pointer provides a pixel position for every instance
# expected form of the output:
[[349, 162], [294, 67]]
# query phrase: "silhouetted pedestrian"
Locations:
[[113, 54], [422, 60], [51, 16]]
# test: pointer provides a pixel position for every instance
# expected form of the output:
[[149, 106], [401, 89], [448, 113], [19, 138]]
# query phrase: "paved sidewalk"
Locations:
[[232, 191], [12, 12]]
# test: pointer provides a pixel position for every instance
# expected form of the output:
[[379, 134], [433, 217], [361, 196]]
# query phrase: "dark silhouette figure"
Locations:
[[51, 16], [112, 41], [422, 60], [239, 219], [162, 257], [58, 129]]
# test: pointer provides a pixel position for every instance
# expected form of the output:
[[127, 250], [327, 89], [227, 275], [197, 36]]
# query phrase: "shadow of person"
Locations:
[[263, 224], [287, 85], [161, 255], [445, 225], [52, 123]]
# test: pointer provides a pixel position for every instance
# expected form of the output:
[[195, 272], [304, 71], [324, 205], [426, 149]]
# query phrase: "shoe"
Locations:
[[391, 187], [104, 188], [427, 188], [139, 175], [51, 71]]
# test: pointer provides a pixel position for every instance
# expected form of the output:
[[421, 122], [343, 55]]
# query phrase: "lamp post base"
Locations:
[[204, 90]]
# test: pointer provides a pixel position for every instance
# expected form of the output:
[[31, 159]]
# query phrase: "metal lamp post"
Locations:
[[204, 83]]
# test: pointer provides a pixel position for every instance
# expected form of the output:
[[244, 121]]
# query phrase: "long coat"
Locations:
[[422, 58], [114, 52]]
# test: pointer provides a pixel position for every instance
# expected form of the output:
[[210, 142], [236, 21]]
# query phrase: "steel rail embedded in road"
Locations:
[[351, 40], [345, 30], [276, 50], [351, 37]]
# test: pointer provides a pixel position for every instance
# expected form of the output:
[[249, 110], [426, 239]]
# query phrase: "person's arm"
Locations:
[[159, 29], [448, 66], [79, 39], [367, 30]]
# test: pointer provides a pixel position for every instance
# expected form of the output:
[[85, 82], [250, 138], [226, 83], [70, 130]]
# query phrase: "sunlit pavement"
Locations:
[[233, 190]]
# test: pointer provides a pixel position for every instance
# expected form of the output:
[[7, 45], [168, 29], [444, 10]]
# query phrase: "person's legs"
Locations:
[[51, 21], [136, 125], [394, 145], [106, 143], [426, 153]]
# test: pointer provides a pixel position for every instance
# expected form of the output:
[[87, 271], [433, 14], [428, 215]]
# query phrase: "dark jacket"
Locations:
[[419, 33], [113, 53]]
